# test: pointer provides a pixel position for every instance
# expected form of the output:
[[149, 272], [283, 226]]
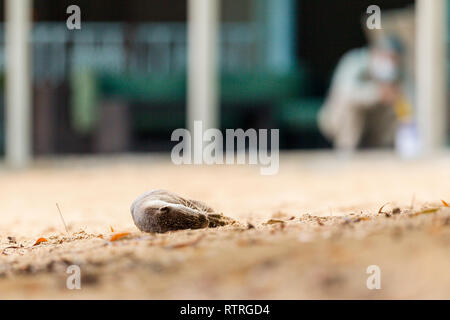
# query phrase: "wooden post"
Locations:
[[18, 83], [431, 71]]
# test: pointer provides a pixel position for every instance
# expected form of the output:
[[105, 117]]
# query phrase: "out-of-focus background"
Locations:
[[110, 94], [120, 84]]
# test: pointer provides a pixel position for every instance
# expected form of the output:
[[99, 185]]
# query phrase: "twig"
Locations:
[[62, 219], [381, 209], [412, 201]]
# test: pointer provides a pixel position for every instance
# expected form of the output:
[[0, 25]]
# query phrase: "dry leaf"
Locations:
[[426, 211], [445, 204], [118, 236], [361, 219], [38, 241], [274, 221], [380, 211]]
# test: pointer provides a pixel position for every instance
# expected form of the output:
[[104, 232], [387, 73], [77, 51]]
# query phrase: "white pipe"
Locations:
[[202, 63], [431, 73], [18, 83]]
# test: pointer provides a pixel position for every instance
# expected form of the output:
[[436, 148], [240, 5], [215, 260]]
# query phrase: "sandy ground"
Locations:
[[310, 231]]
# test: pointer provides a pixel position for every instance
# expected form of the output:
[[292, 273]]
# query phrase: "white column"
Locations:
[[18, 83], [202, 63], [431, 71]]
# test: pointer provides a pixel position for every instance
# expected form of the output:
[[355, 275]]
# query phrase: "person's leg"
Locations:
[[381, 127], [349, 128], [343, 125]]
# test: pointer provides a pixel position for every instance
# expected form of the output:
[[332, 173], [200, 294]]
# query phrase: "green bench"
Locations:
[[165, 96]]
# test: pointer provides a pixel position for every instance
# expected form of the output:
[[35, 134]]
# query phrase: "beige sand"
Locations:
[[322, 249]]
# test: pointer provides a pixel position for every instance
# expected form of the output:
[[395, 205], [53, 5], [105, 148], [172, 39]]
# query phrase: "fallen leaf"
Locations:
[[445, 204], [426, 211], [274, 221], [361, 219], [118, 236], [380, 211], [38, 241]]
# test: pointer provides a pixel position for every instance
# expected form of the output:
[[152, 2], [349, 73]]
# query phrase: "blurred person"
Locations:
[[367, 97]]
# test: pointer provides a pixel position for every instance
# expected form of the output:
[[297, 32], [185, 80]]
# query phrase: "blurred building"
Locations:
[[119, 83]]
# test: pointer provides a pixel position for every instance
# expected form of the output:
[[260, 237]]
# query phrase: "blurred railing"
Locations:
[[149, 48]]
